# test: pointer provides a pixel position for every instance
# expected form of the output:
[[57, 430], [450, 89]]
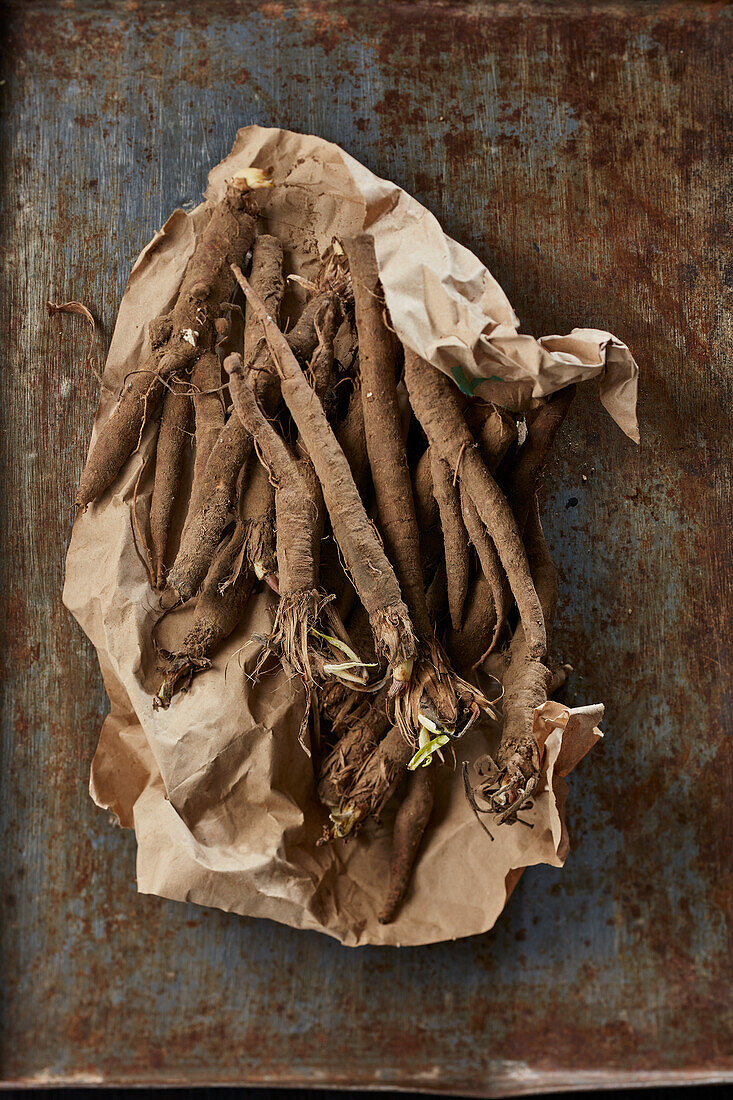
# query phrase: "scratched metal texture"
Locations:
[[584, 153]]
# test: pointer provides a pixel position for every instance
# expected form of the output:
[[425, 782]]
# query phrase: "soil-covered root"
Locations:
[[374, 783], [431, 695], [427, 514], [435, 403], [526, 474], [258, 515], [203, 531], [383, 429], [494, 429], [218, 611], [296, 534], [468, 647], [209, 419], [179, 338], [364, 556], [490, 565], [331, 290], [409, 827], [173, 437], [509, 782], [218, 488], [364, 728], [352, 440], [455, 537]]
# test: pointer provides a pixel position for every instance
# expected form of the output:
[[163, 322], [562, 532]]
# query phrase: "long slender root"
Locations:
[[434, 400], [409, 826], [367, 563], [218, 493], [455, 537], [217, 614], [177, 339], [209, 416], [541, 432], [297, 534], [508, 783], [203, 530], [173, 437], [258, 512]]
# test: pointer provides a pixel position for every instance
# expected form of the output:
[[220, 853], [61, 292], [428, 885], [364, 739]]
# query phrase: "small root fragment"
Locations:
[[409, 826]]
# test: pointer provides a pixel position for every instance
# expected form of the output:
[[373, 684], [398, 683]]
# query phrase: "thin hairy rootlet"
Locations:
[[435, 403], [218, 611], [297, 538], [209, 419], [455, 537], [368, 566], [526, 474], [409, 827], [233, 447], [510, 781], [178, 338], [468, 646], [363, 732], [383, 430], [173, 438]]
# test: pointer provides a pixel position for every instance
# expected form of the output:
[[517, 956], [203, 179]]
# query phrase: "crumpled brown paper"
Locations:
[[219, 792]]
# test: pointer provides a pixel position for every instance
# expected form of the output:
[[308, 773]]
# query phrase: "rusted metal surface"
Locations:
[[584, 153]]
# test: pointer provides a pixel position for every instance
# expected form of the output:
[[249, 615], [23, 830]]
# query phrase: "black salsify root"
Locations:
[[180, 671], [505, 789], [291, 639], [437, 693]]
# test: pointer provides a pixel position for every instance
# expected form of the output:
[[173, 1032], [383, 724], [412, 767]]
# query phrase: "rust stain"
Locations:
[[584, 157]]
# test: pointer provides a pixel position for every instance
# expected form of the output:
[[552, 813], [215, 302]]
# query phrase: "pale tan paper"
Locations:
[[216, 787]]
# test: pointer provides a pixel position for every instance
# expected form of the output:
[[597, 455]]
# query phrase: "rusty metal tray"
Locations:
[[583, 151]]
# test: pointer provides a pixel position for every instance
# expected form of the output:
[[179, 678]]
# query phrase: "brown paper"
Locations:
[[219, 792]]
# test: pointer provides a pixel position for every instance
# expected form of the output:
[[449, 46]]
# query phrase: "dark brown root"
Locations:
[[489, 562], [209, 418], [383, 430], [455, 538], [352, 440], [507, 784], [204, 529], [367, 563], [217, 614], [258, 514], [233, 447], [353, 749], [494, 430], [297, 534], [178, 339], [173, 438], [470, 645], [426, 505], [409, 826], [526, 474], [434, 401]]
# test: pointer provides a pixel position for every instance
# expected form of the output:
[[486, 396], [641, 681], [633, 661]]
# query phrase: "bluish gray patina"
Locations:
[[582, 151]]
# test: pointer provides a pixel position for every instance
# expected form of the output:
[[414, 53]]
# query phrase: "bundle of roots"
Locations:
[[395, 520]]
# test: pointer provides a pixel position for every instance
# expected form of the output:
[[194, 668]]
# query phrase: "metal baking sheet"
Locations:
[[583, 152]]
